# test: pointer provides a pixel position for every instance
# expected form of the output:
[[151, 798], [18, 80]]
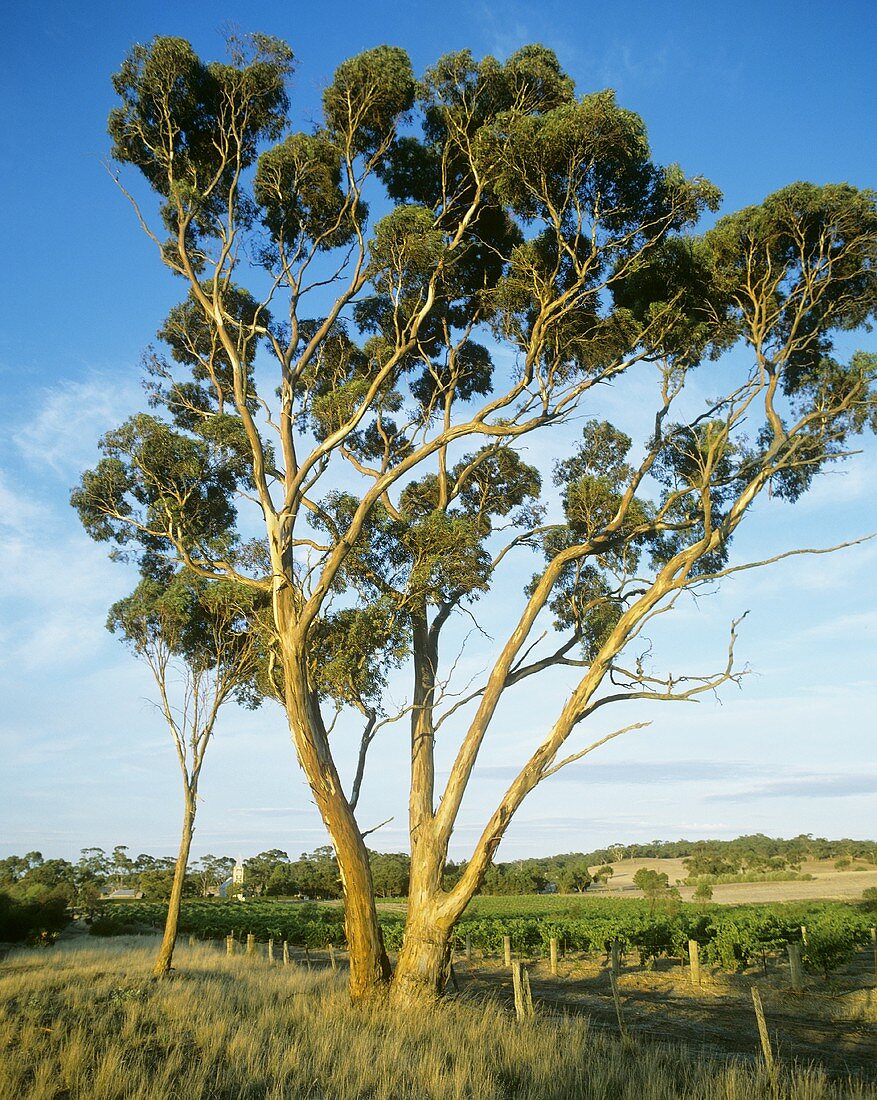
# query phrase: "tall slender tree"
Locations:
[[526, 252], [199, 642]]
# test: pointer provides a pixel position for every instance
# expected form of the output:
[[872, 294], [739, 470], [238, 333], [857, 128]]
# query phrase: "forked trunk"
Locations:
[[424, 963], [166, 952]]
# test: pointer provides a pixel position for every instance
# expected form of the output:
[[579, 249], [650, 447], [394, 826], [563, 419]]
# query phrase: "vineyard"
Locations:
[[729, 938]]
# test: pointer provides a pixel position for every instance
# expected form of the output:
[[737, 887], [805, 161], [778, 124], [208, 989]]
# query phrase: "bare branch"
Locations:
[[594, 745]]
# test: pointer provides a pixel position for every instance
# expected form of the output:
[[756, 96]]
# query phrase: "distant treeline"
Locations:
[[752, 855], [31, 878]]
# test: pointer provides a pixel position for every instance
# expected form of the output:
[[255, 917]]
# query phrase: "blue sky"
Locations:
[[751, 95]]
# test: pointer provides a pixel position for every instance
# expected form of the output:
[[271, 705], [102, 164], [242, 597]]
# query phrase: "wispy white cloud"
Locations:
[[19, 513], [638, 772], [66, 421], [55, 585], [505, 31], [806, 785]]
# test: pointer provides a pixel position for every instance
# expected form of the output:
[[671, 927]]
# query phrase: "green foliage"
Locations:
[[756, 852], [367, 96], [176, 485], [303, 925], [749, 876], [703, 892], [833, 937], [731, 938], [512, 879], [173, 107], [515, 204], [298, 187], [651, 882], [34, 922], [390, 873]]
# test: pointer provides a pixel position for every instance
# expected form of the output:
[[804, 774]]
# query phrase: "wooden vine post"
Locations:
[[762, 1032], [521, 990], [797, 970], [694, 956], [616, 997]]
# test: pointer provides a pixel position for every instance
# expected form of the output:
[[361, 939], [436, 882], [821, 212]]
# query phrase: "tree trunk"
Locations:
[[423, 964], [369, 965], [166, 952]]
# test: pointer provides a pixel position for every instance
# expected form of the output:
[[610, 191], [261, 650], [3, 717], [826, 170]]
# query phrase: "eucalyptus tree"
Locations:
[[342, 400], [201, 643]]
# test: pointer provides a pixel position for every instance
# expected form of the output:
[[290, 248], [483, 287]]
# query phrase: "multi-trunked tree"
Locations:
[[352, 398]]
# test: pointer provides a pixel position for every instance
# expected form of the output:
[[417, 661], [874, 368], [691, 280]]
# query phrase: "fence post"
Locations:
[[528, 995], [285, 953], [271, 949], [308, 958], [794, 950], [804, 938], [762, 1032], [517, 989], [694, 956], [617, 999], [332, 958], [191, 941], [616, 959], [507, 949], [468, 947], [552, 949], [229, 945]]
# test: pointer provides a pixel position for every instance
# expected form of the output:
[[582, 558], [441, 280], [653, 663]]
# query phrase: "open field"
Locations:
[[827, 883], [83, 1021]]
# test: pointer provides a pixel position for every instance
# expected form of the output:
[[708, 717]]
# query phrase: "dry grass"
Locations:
[[84, 1022]]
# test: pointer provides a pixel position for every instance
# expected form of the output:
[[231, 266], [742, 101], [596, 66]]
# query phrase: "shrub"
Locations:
[[35, 922]]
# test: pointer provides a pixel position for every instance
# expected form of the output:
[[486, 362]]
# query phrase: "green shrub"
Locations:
[[36, 922]]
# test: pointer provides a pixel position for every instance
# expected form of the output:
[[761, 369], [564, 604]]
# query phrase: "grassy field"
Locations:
[[82, 1021], [827, 883]]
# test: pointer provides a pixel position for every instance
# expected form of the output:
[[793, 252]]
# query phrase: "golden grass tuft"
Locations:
[[84, 1022]]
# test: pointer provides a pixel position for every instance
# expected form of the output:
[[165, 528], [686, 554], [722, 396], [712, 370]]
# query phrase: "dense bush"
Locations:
[[32, 921]]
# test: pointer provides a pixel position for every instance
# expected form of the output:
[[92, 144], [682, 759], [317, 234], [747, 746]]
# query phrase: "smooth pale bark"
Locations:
[[169, 940], [423, 965], [369, 965]]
